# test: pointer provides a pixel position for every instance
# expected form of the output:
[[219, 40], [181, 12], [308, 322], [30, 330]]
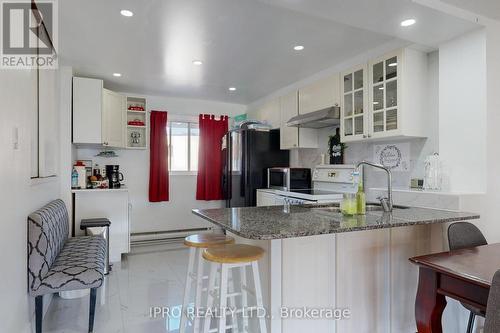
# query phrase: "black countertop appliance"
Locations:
[[114, 176]]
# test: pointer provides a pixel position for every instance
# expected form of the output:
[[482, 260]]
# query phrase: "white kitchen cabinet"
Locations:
[[98, 114], [396, 90], [320, 95], [268, 113], [113, 119], [112, 204], [87, 110], [294, 137], [353, 107]]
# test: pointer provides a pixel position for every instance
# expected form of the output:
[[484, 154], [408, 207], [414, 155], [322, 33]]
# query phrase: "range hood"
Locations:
[[318, 119]]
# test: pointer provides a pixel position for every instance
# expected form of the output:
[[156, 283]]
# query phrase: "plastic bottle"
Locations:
[[74, 179]]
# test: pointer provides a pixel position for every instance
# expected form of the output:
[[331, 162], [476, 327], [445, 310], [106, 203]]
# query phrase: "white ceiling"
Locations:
[[486, 8], [242, 43]]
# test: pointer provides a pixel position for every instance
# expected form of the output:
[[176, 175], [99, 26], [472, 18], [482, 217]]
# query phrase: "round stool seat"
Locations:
[[207, 240], [233, 254]]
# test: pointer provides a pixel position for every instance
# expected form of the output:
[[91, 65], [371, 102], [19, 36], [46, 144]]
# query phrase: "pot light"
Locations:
[[298, 47], [408, 22], [126, 13], [232, 89], [117, 74], [197, 62]]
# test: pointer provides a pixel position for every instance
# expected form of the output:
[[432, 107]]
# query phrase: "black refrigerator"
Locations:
[[246, 154]]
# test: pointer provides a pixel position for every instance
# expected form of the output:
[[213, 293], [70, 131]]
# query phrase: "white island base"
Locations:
[[366, 273]]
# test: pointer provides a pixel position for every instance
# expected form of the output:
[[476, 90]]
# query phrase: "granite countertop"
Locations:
[[278, 222]]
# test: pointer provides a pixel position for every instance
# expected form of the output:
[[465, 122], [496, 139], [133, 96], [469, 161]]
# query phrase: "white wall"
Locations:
[[134, 164], [462, 112], [19, 196], [487, 204]]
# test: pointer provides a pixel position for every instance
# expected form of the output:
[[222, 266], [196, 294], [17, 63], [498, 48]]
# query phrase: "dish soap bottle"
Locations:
[[74, 179], [360, 198]]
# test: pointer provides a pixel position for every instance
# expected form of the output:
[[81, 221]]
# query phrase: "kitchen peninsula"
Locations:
[[317, 258]]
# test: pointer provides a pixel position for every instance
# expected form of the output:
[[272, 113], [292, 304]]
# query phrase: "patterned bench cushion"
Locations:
[[80, 265], [56, 263]]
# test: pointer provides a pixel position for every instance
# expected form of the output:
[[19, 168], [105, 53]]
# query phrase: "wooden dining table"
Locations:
[[464, 275]]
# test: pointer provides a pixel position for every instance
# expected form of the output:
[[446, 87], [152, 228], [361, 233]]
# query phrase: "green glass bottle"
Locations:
[[361, 199]]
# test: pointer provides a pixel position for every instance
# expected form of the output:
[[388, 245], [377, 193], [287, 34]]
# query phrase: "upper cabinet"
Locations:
[[87, 110], [268, 113], [390, 102], [320, 95], [113, 119], [293, 137], [98, 114], [354, 102], [385, 95]]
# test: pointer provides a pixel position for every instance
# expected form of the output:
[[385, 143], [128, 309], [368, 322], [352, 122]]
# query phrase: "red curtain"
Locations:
[[209, 182], [158, 157]]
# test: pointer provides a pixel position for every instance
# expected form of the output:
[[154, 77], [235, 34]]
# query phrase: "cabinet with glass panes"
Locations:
[[390, 101], [354, 99]]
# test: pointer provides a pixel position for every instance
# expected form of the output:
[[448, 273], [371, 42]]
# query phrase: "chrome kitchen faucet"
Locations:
[[385, 202]]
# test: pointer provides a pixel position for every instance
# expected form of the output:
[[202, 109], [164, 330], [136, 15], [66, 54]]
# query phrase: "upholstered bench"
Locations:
[[58, 263]]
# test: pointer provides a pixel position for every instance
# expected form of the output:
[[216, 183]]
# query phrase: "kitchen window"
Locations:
[[183, 139]]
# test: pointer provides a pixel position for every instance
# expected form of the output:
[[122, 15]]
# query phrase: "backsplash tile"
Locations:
[[420, 148]]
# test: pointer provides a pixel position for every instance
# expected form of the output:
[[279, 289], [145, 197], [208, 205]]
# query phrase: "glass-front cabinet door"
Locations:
[[353, 104], [385, 95]]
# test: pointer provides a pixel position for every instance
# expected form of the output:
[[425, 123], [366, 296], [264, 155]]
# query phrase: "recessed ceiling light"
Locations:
[[126, 13], [117, 74], [408, 22], [232, 89], [393, 64], [197, 62], [298, 47], [375, 103], [381, 88]]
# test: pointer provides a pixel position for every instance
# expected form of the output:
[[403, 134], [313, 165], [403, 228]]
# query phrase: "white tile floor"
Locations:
[[149, 276]]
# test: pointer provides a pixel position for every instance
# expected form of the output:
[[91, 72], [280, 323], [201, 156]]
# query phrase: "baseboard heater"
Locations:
[[158, 237]]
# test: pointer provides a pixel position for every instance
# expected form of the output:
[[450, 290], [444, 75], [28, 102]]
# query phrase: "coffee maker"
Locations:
[[114, 176]]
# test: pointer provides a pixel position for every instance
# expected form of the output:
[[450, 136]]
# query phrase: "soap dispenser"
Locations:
[[360, 197]]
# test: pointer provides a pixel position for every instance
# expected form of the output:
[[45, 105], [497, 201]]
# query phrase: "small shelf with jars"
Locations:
[[137, 123]]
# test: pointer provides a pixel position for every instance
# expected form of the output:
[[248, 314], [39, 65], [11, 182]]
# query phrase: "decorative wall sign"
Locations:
[[393, 156]]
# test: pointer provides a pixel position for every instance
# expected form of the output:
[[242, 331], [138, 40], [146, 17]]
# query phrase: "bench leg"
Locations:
[[38, 313], [93, 296]]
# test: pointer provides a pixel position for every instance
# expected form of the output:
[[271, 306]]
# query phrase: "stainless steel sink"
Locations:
[[369, 208], [373, 208]]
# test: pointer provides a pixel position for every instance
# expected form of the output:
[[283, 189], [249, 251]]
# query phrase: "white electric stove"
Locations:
[[329, 183]]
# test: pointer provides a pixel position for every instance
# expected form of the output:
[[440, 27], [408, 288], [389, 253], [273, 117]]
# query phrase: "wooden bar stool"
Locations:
[[227, 258], [197, 243]]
